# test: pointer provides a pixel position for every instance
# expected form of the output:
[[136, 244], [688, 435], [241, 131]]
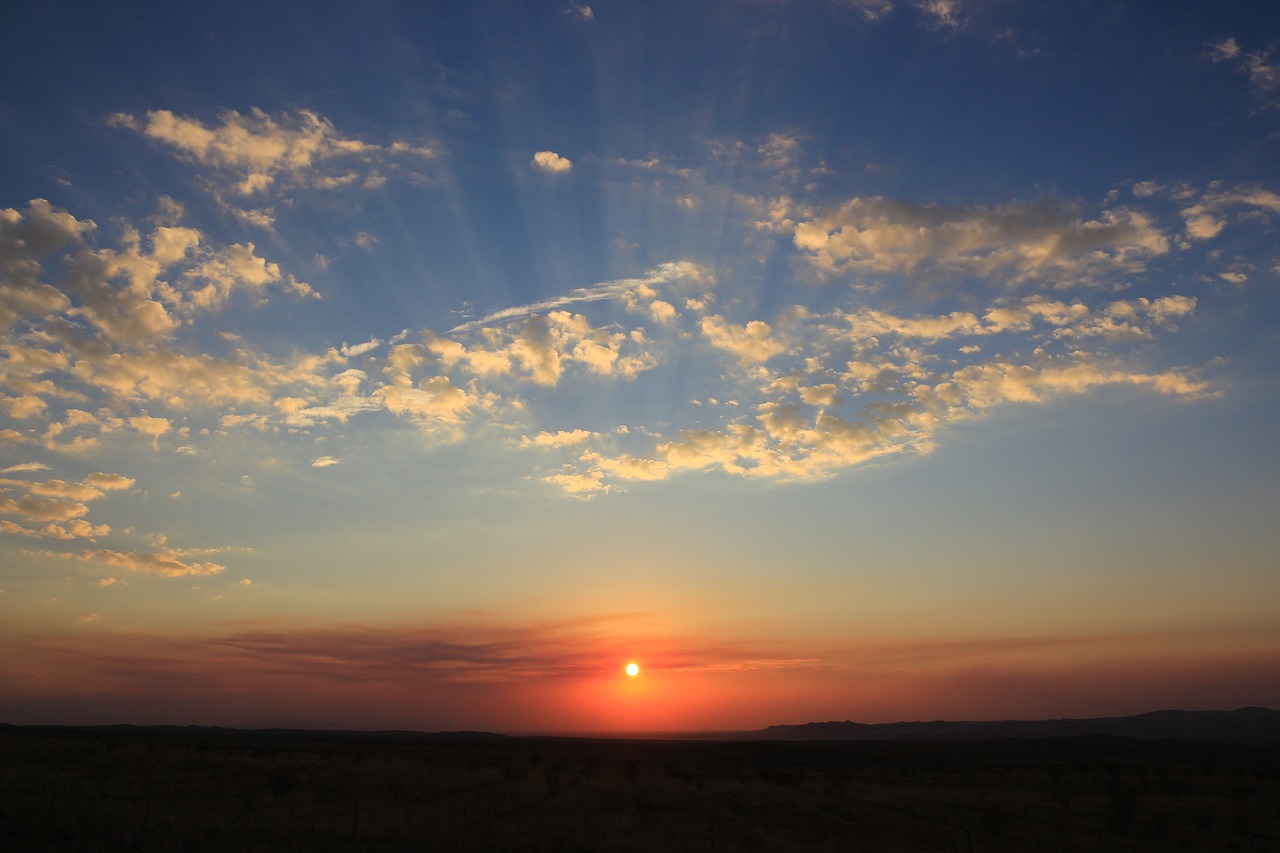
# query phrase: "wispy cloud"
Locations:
[[259, 152], [1261, 66], [665, 273], [24, 467]]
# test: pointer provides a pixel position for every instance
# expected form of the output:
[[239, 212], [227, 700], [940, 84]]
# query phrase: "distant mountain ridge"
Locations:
[[1250, 725], [269, 731], [1243, 725]]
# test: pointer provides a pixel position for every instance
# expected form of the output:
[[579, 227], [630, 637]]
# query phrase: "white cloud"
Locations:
[[143, 291], [780, 152], [1016, 242], [563, 438], [109, 482], [354, 350], [943, 13], [113, 353], [1208, 213], [752, 342], [24, 467], [1223, 50], [258, 152], [1261, 66], [626, 289], [872, 10], [550, 161], [582, 484], [150, 426], [166, 562], [852, 387]]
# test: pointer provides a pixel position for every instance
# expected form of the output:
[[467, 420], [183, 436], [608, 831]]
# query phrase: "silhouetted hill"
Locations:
[[1244, 725], [271, 731]]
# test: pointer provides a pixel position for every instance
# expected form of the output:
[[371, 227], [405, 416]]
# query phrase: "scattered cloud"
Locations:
[[942, 13], [166, 562], [872, 10], [1261, 66], [100, 335], [1017, 242], [256, 153]]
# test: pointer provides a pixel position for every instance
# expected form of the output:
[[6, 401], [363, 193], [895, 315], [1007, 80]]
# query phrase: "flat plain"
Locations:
[[104, 789]]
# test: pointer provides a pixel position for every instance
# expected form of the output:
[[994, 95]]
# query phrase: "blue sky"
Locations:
[[426, 362]]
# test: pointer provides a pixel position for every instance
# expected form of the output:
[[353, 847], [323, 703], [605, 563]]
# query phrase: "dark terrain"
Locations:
[[194, 789]]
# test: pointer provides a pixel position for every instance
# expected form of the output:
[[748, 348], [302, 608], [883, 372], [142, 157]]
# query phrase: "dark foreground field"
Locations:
[[68, 789]]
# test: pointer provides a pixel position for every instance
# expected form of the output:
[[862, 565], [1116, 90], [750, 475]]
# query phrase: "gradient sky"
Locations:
[[420, 364]]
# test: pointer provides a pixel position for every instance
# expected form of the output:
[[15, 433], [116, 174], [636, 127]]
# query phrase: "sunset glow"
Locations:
[[426, 366]]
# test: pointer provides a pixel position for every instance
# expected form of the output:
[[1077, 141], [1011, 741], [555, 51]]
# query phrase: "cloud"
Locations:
[[167, 562], [437, 397], [850, 387], [1208, 212], [1018, 242], [780, 153], [24, 467], [75, 529], [943, 13], [582, 13], [1261, 66], [352, 351], [872, 10], [1223, 50], [542, 346], [752, 342], [55, 506], [63, 489], [26, 238], [109, 482], [627, 467], [123, 348], [141, 292], [91, 332], [625, 289], [149, 426], [583, 484], [325, 462], [550, 161], [564, 438], [258, 152], [43, 509]]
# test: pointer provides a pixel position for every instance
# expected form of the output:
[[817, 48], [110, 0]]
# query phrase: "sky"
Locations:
[[420, 365]]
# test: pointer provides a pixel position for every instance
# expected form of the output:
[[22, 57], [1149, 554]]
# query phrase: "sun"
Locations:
[[633, 669]]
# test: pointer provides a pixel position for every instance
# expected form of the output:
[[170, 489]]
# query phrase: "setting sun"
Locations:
[[633, 669]]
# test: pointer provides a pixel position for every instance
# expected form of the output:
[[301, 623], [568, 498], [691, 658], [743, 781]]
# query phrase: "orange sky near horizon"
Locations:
[[523, 681]]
